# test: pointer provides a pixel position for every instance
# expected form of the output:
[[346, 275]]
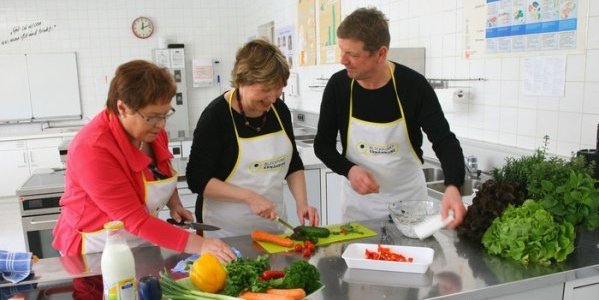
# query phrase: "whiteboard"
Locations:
[[14, 99], [53, 85], [39, 87]]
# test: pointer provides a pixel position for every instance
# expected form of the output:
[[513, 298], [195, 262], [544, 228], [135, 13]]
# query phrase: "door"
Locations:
[[313, 191], [334, 182], [38, 235], [14, 160]]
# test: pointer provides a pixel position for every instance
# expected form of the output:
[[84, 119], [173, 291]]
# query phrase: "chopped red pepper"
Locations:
[[385, 253], [272, 274]]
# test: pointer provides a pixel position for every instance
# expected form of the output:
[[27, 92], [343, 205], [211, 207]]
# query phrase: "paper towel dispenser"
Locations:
[[413, 58]]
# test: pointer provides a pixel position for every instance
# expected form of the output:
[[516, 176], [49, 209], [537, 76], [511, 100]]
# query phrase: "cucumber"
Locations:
[[314, 231]]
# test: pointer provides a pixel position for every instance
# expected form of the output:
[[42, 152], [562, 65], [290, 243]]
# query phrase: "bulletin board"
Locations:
[[41, 87], [494, 28]]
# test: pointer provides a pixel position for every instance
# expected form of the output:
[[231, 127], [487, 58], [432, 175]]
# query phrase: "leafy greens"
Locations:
[[529, 234]]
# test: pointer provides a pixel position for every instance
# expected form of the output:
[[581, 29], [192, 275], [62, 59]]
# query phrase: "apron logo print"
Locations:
[[269, 165], [376, 150]]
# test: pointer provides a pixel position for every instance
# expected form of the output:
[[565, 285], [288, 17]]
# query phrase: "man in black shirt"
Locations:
[[380, 109]]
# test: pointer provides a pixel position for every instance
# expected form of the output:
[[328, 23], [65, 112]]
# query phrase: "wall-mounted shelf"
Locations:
[[319, 83], [443, 83]]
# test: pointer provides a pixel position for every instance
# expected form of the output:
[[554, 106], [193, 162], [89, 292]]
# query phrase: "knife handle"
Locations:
[[172, 221]]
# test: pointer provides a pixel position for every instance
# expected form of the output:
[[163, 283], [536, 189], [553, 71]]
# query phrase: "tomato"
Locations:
[[298, 248], [307, 252], [309, 245]]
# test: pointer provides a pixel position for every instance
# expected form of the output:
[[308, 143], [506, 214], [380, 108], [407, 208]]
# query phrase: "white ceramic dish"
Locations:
[[385, 278], [355, 257]]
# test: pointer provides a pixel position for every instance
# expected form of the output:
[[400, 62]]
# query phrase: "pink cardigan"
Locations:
[[104, 182]]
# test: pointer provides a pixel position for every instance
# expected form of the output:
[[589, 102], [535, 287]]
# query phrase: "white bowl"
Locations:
[[408, 213], [385, 278], [355, 257]]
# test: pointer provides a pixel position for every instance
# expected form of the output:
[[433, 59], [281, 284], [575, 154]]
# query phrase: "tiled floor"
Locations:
[[11, 232]]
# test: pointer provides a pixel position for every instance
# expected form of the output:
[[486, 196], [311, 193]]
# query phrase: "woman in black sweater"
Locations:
[[243, 150]]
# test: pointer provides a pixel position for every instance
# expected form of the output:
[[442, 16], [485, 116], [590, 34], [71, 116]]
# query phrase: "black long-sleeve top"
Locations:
[[214, 148], [422, 113]]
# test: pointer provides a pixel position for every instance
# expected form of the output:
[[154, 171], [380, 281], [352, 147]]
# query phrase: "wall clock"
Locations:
[[142, 27]]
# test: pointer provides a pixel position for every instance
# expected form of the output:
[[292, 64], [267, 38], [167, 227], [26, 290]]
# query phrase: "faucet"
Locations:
[[472, 167]]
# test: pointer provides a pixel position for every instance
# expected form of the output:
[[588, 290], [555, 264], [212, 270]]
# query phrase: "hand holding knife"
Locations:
[[193, 225]]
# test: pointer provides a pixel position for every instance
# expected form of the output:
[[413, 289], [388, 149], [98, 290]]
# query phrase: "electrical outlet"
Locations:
[[300, 117]]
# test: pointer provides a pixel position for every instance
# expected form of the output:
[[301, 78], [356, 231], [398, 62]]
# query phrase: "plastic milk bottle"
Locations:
[[118, 265]]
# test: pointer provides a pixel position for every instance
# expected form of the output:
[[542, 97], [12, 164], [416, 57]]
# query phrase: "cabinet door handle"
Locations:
[[31, 160], [43, 222], [24, 158]]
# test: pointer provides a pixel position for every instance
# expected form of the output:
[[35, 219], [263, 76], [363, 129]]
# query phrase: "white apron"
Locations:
[[262, 163], [157, 192], [385, 150]]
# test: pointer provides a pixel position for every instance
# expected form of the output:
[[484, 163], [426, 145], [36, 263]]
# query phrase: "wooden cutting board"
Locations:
[[364, 232]]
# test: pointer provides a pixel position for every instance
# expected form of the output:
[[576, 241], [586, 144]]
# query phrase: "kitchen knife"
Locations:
[[284, 223], [193, 225]]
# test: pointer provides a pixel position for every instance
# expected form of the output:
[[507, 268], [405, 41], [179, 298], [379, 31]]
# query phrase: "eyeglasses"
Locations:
[[153, 120]]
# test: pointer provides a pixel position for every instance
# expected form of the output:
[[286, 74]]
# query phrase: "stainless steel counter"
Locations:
[[460, 270]]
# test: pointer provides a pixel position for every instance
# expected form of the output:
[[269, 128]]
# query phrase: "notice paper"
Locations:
[[202, 72], [544, 76]]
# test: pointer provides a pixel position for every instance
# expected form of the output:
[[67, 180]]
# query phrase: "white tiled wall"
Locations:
[[100, 33], [497, 112]]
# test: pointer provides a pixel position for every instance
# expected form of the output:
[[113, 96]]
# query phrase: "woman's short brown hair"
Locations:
[[259, 61], [139, 83], [367, 25]]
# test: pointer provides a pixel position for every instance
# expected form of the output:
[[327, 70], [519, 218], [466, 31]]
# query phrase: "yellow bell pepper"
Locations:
[[208, 274]]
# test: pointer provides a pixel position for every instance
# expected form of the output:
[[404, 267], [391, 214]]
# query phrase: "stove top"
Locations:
[[43, 183]]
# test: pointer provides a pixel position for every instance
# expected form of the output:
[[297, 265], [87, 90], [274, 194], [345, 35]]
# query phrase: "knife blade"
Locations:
[[284, 223], [193, 225]]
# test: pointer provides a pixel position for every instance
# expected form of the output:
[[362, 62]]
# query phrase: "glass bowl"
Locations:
[[408, 213]]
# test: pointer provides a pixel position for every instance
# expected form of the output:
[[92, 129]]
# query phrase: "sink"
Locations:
[[303, 133], [305, 143], [433, 174], [307, 137], [469, 187]]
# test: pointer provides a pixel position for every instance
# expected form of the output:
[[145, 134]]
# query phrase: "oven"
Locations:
[[39, 201]]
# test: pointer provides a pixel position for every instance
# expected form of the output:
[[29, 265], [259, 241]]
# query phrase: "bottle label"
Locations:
[[122, 290]]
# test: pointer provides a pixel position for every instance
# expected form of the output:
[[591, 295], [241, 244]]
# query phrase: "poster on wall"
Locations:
[[306, 32], [285, 41], [329, 17], [499, 27]]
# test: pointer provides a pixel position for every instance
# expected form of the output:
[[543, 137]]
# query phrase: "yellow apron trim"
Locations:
[[252, 138], [144, 180], [83, 234], [403, 115], [236, 134]]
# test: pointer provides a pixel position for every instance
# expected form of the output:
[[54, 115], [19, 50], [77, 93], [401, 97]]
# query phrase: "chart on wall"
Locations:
[[284, 40], [500, 27], [306, 32], [329, 17]]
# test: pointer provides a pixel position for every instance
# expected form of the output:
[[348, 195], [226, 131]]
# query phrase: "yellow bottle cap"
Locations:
[[114, 225]]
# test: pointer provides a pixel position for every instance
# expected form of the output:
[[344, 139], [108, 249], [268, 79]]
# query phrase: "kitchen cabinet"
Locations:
[[334, 182], [21, 158], [13, 158], [188, 199], [43, 153], [314, 196], [551, 292], [582, 289]]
